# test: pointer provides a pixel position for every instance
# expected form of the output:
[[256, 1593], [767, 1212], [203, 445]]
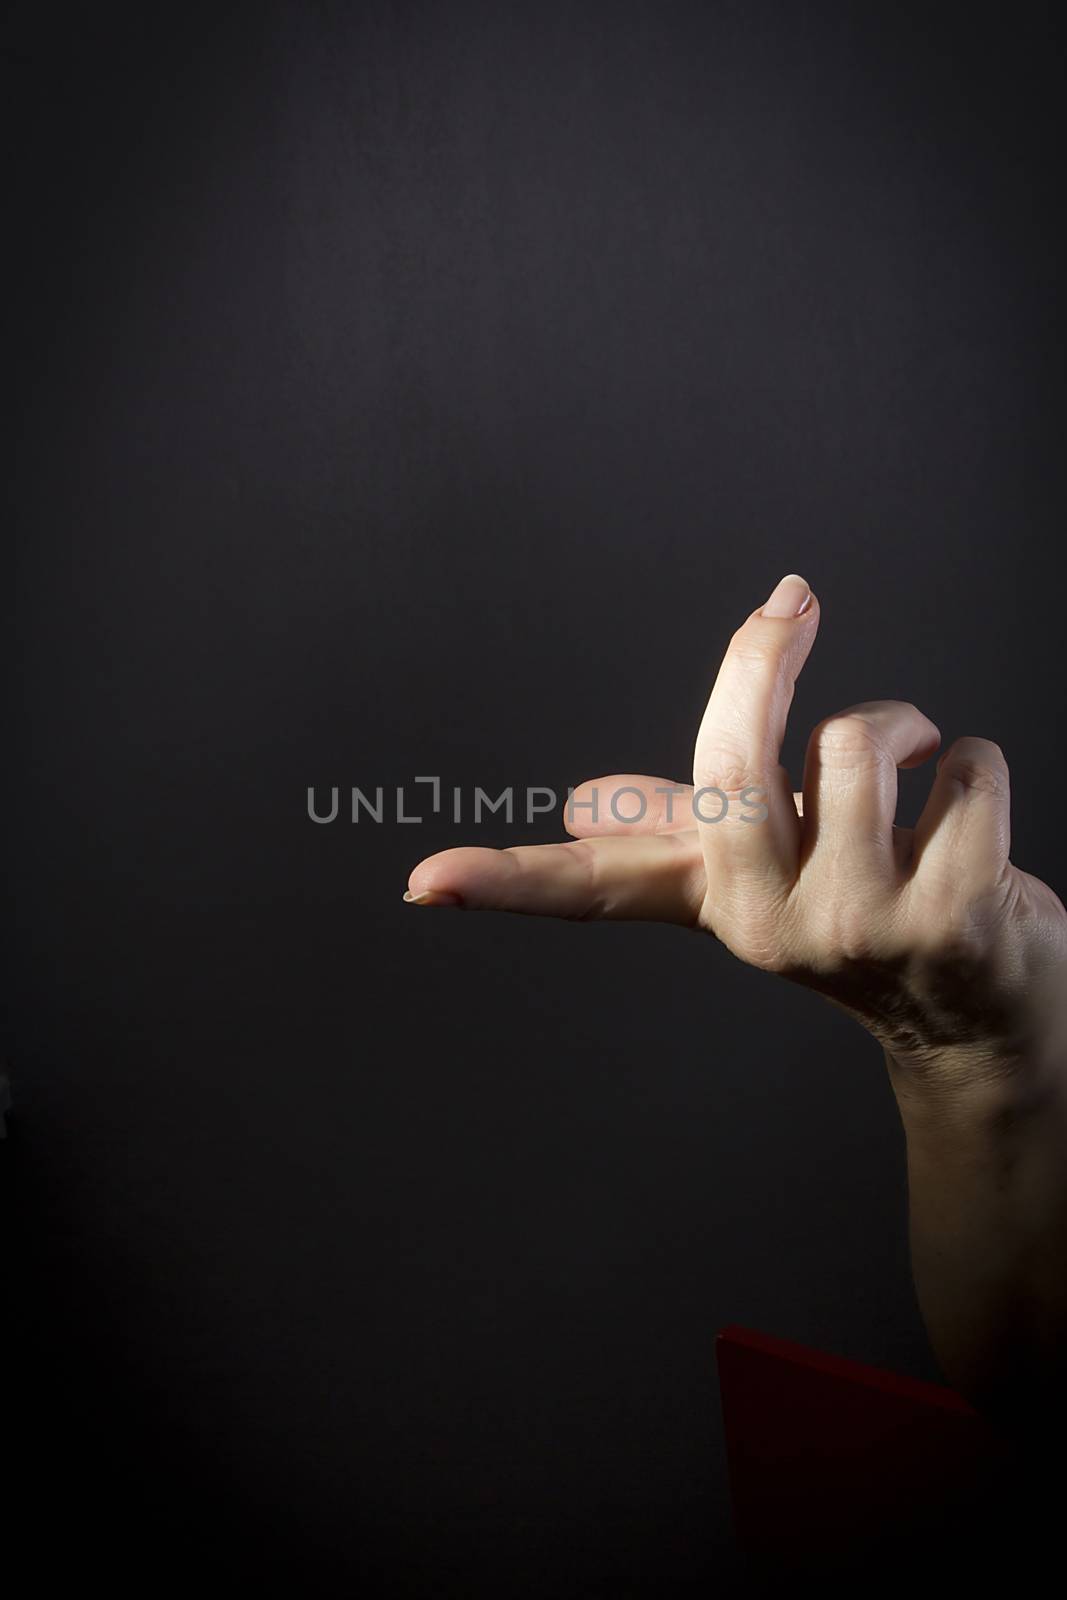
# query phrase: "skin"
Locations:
[[953, 958]]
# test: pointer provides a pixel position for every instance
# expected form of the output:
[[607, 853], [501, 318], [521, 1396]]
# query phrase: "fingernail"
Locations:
[[791, 597], [432, 897]]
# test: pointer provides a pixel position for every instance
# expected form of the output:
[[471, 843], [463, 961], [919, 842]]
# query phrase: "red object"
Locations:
[[831, 1461]]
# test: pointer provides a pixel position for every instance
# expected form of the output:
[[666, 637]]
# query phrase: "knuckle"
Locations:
[[977, 764], [846, 934], [849, 736], [726, 771], [974, 774], [592, 902], [751, 648]]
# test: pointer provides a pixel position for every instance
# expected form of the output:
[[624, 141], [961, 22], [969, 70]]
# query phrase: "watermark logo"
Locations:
[[707, 805]]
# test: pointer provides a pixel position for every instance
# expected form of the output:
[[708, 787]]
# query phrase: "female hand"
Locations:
[[929, 936]]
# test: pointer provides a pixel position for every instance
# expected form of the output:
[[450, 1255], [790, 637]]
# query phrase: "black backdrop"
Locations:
[[410, 389]]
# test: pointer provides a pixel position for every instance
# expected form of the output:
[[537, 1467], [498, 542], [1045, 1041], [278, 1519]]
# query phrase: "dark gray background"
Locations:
[[411, 388]]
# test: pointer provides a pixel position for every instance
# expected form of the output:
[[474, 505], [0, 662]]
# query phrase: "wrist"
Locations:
[[1008, 1054], [977, 1099]]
